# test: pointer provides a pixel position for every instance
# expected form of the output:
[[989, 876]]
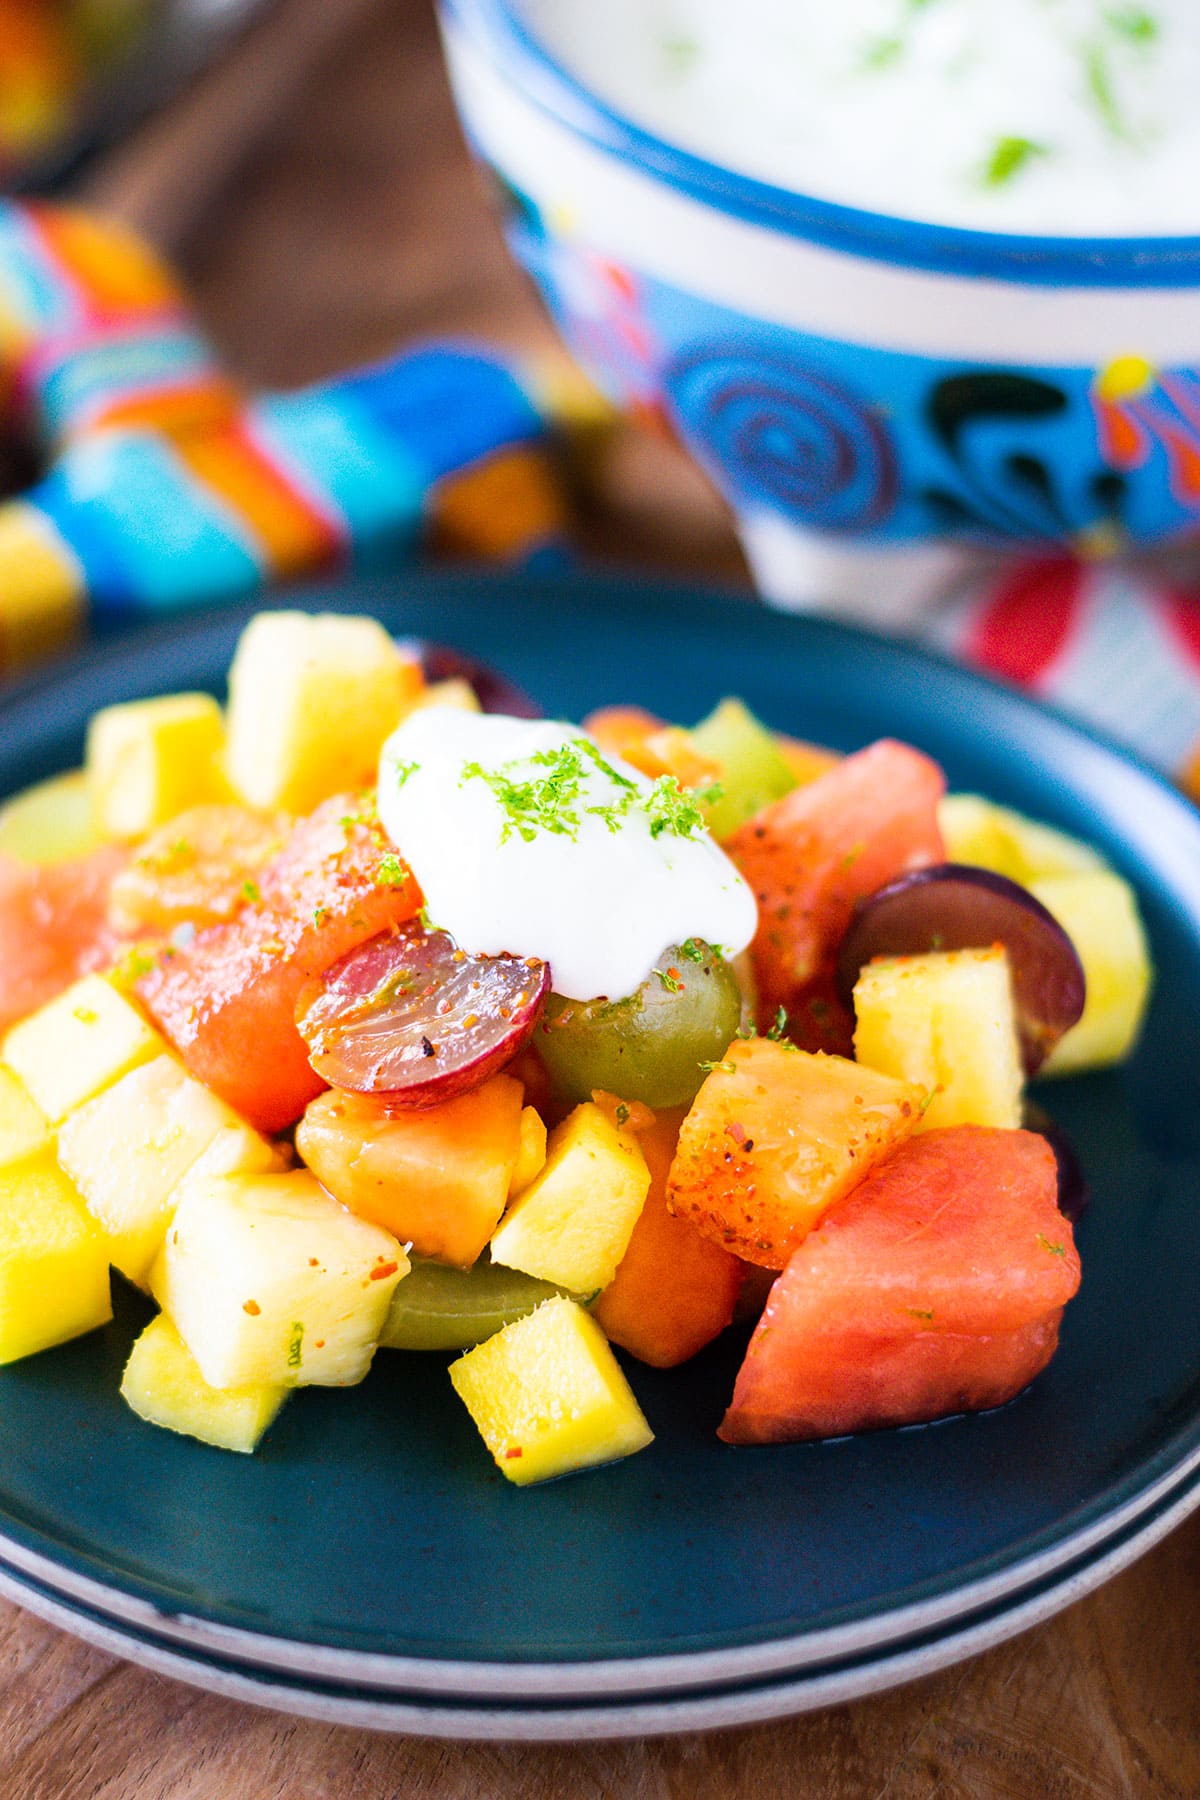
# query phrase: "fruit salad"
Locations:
[[371, 1015]]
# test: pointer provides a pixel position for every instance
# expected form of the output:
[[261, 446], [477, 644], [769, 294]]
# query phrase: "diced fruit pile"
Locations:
[[242, 1068]]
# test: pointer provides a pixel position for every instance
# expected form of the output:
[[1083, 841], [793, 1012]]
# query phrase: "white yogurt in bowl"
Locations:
[[1071, 117]]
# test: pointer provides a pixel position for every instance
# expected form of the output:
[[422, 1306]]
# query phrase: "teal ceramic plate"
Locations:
[[370, 1547]]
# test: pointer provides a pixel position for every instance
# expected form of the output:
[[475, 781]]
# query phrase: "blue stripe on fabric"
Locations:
[[447, 406], [122, 367], [1154, 262], [150, 537], [334, 447], [32, 288]]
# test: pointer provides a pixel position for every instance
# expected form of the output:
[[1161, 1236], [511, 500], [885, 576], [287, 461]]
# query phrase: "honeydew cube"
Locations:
[[573, 1223], [151, 759], [311, 700], [548, 1395], [78, 1044], [24, 1127], [531, 1152], [129, 1148], [51, 823], [946, 1022], [53, 1263], [754, 770], [164, 1386], [977, 831], [1100, 916], [270, 1282]]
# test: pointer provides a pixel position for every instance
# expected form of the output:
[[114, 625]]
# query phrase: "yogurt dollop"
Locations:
[[527, 838]]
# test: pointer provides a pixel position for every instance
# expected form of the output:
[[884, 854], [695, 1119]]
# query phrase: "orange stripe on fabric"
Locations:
[[115, 271], [292, 533], [204, 405]]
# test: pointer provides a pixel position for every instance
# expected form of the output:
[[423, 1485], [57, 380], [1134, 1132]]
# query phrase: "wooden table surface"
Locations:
[[316, 191]]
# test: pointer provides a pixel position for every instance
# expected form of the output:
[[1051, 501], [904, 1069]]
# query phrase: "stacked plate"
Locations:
[[369, 1564]]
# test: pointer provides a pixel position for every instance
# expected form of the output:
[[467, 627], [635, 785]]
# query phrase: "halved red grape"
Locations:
[[495, 692], [1074, 1191], [954, 906], [411, 1017]]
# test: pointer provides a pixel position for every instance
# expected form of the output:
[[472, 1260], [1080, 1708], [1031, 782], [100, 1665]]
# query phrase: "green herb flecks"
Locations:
[[1054, 1249], [726, 1068], [557, 801], [392, 871], [1133, 23], [1010, 155], [778, 1030]]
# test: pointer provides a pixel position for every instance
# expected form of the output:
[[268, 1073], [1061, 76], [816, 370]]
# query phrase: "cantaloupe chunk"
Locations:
[[436, 1177], [573, 1223], [53, 1264], [1100, 916], [148, 760], [311, 700], [164, 1386], [674, 1289], [548, 1395], [946, 1022], [24, 1127], [271, 1282], [777, 1136], [78, 1044], [129, 1148]]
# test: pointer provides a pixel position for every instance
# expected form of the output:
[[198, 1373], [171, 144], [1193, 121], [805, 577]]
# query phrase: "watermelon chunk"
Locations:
[[53, 927], [227, 1001], [936, 1287], [812, 856]]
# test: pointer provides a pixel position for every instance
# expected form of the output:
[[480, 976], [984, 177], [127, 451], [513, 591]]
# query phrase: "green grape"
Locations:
[[436, 1307], [652, 1045]]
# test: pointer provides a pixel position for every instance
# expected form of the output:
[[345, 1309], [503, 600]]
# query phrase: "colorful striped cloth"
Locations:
[[167, 486]]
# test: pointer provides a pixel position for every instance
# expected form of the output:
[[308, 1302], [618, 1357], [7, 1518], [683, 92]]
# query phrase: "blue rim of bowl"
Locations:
[[1042, 261], [575, 1717]]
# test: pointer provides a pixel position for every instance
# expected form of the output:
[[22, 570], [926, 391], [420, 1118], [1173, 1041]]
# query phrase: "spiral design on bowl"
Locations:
[[775, 433]]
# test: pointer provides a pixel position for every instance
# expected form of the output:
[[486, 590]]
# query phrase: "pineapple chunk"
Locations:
[[270, 1282], [945, 1021], [77, 1044], [454, 691], [1098, 912], [51, 823], [127, 1150], [163, 1386], [977, 831], [548, 1395], [311, 700], [531, 1153], [53, 1262], [573, 1223], [235, 1150], [24, 1127], [148, 760]]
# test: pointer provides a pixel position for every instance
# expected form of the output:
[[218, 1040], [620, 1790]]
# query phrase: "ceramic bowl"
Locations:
[[871, 394]]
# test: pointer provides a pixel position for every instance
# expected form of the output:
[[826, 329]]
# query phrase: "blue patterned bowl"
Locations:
[[852, 381]]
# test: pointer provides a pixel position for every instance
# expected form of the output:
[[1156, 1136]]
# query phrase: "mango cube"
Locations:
[[573, 1223], [127, 1150], [24, 1127], [270, 1282], [946, 1022], [164, 1386], [548, 1395], [531, 1153], [150, 759], [51, 823], [1098, 912], [53, 1263], [311, 700], [77, 1044]]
